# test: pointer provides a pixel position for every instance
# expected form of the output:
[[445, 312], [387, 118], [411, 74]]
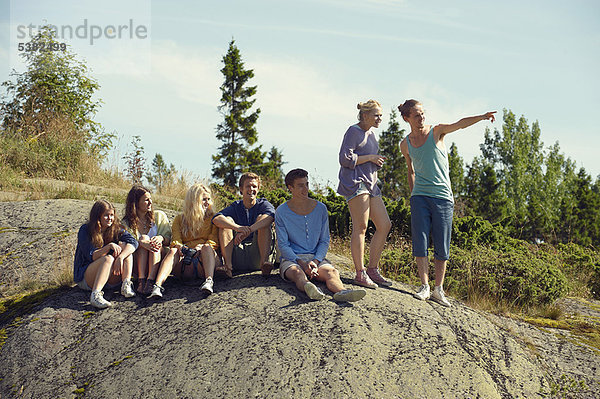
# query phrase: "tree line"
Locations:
[[523, 188]]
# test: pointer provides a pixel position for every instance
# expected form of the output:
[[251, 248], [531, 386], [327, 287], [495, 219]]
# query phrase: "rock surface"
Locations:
[[260, 337]]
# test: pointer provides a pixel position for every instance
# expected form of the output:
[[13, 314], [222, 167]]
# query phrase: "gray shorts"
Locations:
[[286, 264], [246, 256]]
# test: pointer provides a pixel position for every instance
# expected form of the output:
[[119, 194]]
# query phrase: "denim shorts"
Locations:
[[431, 216], [362, 189]]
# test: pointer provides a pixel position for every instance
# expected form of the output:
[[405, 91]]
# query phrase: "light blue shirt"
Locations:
[[302, 234]]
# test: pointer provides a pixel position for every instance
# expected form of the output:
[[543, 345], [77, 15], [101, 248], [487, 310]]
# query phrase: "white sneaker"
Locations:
[[127, 289], [439, 296], [208, 285], [157, 291], [423, 293], [313, 291], [97, 300], [350, 295]]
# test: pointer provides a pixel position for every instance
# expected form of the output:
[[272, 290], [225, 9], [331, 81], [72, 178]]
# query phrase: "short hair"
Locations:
[[366, 107], [294, 174], [407, 106], [248, 176]]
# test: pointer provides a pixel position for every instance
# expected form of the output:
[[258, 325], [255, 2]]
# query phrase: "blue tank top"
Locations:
[[432, 176]]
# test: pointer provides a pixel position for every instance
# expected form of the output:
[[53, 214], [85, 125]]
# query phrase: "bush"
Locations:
[[519, 276]]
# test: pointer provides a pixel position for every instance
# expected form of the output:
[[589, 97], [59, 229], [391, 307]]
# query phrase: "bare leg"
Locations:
[[297, 276], [359, 212], [166, 266], [440, 271], [423, 269], [96, 274], [380, 217], [264, 246], [153, 264], [226, 244], [141, 261], [208, 256], [331, 277]]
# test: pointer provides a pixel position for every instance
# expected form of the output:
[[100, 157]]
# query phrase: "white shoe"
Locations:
[[127, 289], [157, 291], [313, 291], [439, 296], [350, 295], [423, 293], [97, 300], [208, 285]]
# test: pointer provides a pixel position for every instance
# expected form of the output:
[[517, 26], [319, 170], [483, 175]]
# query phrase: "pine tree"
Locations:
[[161, 174], [457, 172], [393, 174], [135, 161], [237, 131]]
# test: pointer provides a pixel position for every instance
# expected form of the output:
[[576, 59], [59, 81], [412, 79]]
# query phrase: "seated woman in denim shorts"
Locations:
[[431, 201]]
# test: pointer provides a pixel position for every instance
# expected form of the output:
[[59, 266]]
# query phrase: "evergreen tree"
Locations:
[[161, 175], [393, 173], [457, 172], [517, 155], [272, 171], [237, 131], [484, 192], [581, 212]]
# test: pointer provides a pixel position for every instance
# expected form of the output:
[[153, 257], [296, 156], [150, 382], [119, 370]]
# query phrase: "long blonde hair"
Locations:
[[194, 214]]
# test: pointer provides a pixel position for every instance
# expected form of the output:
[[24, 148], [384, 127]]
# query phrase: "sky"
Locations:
[[315, 60]]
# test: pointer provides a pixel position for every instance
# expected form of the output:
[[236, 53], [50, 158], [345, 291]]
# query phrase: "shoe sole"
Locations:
[[349, 295], [366, 285], [312, 291], [446, 304], [157, 296], [421, 298]]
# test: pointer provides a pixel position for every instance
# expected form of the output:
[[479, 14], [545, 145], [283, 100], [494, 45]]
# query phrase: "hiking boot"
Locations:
[[373, 273], [157, 292], [350, 295], [439, 296], [208, 285], [127, 289], [423, 293], [97, 300], [362, 278], [313, 292]]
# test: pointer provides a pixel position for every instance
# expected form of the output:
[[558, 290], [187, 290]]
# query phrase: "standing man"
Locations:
[[302, 226], [245, 234]]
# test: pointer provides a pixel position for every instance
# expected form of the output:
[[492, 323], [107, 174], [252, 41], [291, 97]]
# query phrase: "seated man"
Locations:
[[246, 251], [302, 227]]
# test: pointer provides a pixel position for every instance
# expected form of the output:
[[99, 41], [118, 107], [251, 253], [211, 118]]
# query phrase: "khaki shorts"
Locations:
[[286, 264]]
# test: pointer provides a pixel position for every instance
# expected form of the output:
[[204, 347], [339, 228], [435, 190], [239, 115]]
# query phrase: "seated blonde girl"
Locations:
[[193, 230], [103, 255], [152, 230]]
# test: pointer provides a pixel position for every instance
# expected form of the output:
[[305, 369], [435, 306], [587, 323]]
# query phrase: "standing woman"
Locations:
[[103, 255], [359, 160], [193, 229], [152, 230], [431, 201]]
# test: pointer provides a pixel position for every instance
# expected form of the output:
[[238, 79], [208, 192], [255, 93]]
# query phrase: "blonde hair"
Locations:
[[366, 107], [194, 214]]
